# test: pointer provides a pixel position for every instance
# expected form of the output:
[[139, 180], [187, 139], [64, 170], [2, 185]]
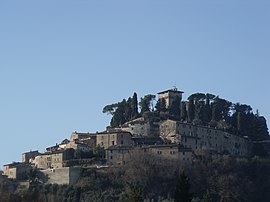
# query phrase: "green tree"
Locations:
[[110, 109], [134, 106], [182, 191], [119, 116], [191, 109], [221, 109], [134, 193], [207, 115], [146, 103], [174, 109], [183, 111], [206, 197], [161, 105]]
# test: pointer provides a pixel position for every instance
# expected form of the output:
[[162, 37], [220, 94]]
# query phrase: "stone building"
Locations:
[[169, 152], [161, 154], [120, 138], [28, 157], [17, 170], [138, 127], [169, 96], [62, 176], [55, 159], [118, 155], [199, 137]]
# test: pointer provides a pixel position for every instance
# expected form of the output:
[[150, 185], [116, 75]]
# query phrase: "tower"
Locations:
[[170, 95]]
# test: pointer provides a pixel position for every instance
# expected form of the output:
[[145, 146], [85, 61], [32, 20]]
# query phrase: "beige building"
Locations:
[[169, 96], [138, 127], [81, 136], [162, 154], [199, 137], [118, 155], [62, 176], [55, 159], [120, 138], [28, 157], [170, 152], [17, 170]]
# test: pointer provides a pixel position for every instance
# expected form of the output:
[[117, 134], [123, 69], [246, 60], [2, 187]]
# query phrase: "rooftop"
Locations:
[[174, 90]]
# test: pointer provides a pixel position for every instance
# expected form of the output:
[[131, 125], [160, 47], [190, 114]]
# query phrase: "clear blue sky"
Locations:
[[62, 61]]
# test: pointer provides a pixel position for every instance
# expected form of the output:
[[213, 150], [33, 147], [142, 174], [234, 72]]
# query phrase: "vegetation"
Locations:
[[219, 178], [200, 109]]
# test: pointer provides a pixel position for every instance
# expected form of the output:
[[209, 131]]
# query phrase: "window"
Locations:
[[110, 157], [112, 142], [122, 142], [159, 152], [111, 151], [183, 153]]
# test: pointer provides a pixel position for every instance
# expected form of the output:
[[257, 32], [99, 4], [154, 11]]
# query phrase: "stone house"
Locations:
[[161, 154], [17, 170], [55, 159], [28, 157], [199, 137], [81, 136], [62, 176], [169, 153], [137, 127], [107, 139], [118, 155]]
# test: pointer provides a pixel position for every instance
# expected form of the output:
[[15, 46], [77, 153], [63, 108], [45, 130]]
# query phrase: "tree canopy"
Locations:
[[201, 108]]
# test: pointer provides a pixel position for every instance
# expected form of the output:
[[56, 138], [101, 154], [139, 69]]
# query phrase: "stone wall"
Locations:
[[199, 137], [68, 175]]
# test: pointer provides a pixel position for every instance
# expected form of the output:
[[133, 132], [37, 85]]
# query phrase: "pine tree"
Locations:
[[174, 109], [191, 110], [182, 191], [161, 105], [134, 106], [183, 111]]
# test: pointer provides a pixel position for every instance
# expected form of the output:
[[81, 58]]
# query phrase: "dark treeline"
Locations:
[[200, 109], [219, 179]]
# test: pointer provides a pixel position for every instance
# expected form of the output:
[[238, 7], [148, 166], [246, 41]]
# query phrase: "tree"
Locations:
[[147, 102], [134, 193], [120, 114], [191, 109], [161, 105], [110, 109], [221, 109], [182, 191], [183, 111], [134, 106], [206, 197], [174, 109]]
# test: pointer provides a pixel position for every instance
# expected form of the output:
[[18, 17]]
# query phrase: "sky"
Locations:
[[62, 61]]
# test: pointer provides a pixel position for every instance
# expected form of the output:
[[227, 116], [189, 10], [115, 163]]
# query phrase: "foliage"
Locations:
[[201, 109], [146, 103], [182, 190]]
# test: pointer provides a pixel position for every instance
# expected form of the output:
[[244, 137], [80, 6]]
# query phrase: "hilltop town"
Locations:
[[172, 131]]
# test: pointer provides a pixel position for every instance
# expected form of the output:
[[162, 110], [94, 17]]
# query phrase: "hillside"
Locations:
[[205, 148]]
